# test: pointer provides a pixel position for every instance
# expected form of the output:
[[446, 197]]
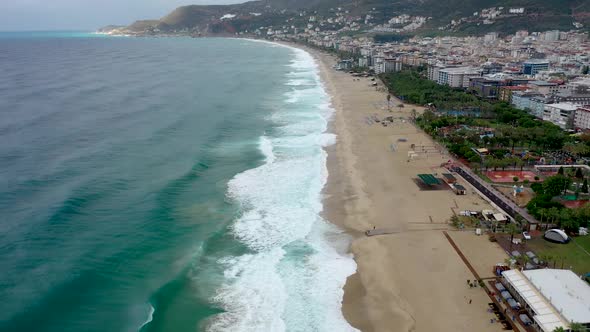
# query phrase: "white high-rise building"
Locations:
[[490, 37]]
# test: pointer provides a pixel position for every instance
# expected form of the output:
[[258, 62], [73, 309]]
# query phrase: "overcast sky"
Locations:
[[20, 15]]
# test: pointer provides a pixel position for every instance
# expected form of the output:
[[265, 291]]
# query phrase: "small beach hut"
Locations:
[[458, 189], [500, 217], [449, 178]]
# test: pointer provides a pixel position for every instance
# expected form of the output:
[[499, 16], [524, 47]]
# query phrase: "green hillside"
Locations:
[[539, 15]]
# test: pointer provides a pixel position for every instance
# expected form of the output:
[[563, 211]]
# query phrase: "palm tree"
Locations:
[[542, 212], [553, 214], [555, 258], [519, 220], [512, 229], [559, 329], [519, 162], [577, 327], [545, 258], [508, 262]]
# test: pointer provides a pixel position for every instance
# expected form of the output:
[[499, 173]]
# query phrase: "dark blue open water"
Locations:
[[163, 185]]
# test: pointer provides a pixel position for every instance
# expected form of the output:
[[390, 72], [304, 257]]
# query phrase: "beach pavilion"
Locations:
[[552, 297], [429, 179]]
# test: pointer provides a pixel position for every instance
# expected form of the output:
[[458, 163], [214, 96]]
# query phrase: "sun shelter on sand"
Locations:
[[429, 179]]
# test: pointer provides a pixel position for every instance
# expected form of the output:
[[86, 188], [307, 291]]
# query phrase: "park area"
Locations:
[[575, 254], [508, 176]]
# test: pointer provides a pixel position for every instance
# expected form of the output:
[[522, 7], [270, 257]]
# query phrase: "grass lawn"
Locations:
[[571, 254], [483, 176]]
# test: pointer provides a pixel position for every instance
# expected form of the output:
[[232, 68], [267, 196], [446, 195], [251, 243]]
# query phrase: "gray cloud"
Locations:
[[84, 14]]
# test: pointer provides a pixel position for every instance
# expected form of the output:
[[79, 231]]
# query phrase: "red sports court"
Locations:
[[508, 176]]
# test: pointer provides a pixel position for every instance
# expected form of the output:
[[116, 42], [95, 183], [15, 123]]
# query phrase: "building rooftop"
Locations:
[[461, 70], [536, 61], [545, 316], [564, 106], [568, 294], [516, 88], [543, 83]]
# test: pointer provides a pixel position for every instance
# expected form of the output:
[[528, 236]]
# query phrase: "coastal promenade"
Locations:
[[497, 198]]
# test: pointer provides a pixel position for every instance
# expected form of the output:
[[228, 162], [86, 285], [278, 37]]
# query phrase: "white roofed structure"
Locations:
[[555, 298], [569, 294]]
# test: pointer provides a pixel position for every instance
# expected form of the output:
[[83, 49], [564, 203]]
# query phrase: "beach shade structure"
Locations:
[[500, 287], [557, 236], [506, 295], [429, 179]]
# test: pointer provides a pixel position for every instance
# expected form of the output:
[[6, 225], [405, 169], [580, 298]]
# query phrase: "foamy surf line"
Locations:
[[292, 279]]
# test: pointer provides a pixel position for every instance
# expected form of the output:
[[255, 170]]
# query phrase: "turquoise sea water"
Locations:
[[164, 184]]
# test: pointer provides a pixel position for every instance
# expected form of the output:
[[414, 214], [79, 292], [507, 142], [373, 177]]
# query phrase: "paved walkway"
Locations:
[[496, 197]]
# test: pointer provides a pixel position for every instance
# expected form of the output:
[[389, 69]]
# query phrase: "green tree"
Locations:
[[559, 329], [577, 327], [579, 173], [542, 212], [490, 162], [585, 186], [555, 185], [524, 260], [519, 220], [545, 258], [515, 179], [566, 220], [519, 162], [560, 171]]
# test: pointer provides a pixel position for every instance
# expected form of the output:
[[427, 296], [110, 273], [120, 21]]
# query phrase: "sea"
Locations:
[[165, 184]]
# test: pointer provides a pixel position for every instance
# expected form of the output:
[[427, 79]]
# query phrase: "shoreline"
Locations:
[[412, 280]]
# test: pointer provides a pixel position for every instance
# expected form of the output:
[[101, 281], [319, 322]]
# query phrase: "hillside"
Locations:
[[447, 16]]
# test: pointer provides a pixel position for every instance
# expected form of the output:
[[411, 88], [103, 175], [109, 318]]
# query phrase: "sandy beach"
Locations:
[[412, 280]]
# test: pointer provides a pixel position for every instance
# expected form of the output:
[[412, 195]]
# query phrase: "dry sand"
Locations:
[[412, 280]]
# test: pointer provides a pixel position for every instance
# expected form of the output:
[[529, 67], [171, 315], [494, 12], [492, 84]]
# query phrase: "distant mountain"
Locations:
[[538, 15]]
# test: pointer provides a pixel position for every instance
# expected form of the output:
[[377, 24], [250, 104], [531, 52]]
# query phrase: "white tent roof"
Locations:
[[499, 217], [568, 294], [558, 231], [545, 315]]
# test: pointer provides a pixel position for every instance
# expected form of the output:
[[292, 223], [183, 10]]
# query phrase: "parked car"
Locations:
[[526, 235]]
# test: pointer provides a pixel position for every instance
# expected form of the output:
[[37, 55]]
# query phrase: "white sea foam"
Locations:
[[150, 316], [253, 295], [293, 278]]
